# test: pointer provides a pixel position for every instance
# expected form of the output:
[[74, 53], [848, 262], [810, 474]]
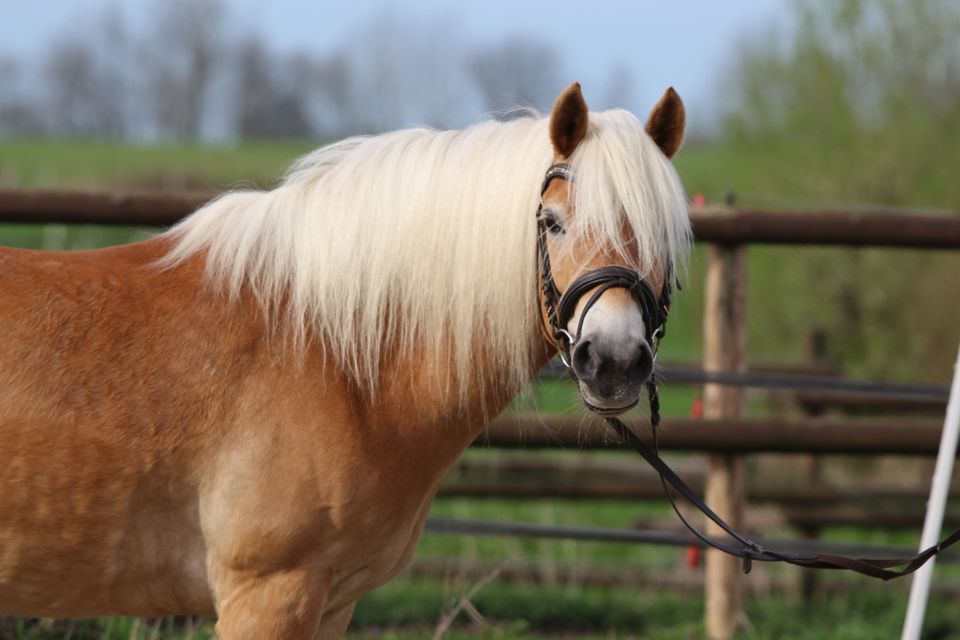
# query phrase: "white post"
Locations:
[[920, 587]]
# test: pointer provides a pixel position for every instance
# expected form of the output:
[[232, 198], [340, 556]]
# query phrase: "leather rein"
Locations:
[[557, 309]]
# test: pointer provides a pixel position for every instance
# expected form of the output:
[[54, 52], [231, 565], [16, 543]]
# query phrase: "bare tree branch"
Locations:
[[85, 97], [516, 72], [270, 93], [18, 115], [180, 57]]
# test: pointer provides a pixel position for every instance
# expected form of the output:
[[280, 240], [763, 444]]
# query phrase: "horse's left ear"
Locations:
[[666, 122], [568, 122]]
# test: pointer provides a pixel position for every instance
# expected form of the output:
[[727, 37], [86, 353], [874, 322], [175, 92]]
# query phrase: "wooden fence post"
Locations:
[[725, 337], [816, 349]]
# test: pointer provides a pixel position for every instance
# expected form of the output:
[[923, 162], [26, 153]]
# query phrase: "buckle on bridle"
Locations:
[[564, 349]]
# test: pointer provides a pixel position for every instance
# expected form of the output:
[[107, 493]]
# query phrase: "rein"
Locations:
[[748, 550], [559, 309]]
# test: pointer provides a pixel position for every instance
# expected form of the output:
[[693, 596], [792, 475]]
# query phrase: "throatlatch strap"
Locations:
[[748, 550]]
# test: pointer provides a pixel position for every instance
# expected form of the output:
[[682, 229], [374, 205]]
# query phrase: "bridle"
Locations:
[[559, 309]]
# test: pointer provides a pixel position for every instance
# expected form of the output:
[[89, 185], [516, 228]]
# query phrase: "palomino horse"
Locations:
[[248, 416]]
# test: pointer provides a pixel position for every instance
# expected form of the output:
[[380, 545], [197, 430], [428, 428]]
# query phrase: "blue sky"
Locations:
[[682, 43]]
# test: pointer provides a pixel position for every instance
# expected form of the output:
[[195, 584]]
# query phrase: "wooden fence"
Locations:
[[724, 432], [726, 436], [718, 225]]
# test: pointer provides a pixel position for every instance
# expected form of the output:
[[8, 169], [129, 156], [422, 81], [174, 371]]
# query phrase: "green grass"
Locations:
[[33, 164], [120, 628], [412, 609], [865, 614]]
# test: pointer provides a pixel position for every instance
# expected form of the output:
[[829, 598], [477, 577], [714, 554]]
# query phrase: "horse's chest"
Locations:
[[377, 543], [356, 523]]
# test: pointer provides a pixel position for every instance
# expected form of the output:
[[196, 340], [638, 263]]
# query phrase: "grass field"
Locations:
[[38, 164], [412, 610], [408, 608]]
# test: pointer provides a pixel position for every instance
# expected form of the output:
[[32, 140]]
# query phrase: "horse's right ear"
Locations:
[[666, 122], [568, 121]]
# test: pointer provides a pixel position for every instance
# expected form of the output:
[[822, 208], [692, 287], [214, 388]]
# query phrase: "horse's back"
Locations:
[[93, 437], [85, 335]]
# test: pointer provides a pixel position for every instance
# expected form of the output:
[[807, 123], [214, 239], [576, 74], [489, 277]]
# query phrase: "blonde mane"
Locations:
[[423, 238]]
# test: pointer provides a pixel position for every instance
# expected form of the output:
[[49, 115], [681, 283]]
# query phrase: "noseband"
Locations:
[[560, 307]]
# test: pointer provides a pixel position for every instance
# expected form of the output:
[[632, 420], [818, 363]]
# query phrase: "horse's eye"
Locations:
[[552, 224]]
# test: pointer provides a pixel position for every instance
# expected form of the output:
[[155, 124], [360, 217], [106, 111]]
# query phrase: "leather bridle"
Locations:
[[559, 309]]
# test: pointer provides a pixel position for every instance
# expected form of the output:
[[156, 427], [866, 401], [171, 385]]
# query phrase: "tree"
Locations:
[[851, 66], [516, 71], [87, 94], [270, 93], [859, 103], [334, 104], [18, 115], [180, 58]]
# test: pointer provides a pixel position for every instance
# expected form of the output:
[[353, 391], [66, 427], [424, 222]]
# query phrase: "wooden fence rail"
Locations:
[[721, 225], [863, 503], [548, 479], [900, 436]]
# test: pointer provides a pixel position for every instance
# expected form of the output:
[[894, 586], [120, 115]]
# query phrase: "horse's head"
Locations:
[[601, 310]]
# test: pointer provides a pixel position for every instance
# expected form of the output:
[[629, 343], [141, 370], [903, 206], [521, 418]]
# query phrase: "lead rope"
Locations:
[[620, 427], [749, 550]]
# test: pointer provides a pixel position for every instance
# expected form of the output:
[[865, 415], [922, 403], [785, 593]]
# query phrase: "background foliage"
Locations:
[[857, 104]]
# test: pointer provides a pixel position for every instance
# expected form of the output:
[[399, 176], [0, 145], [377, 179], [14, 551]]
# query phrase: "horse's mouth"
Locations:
[[611, 401], [609, 411]]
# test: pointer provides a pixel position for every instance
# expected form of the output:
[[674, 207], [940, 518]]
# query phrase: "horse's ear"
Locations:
[[568, 122], [666, 121]]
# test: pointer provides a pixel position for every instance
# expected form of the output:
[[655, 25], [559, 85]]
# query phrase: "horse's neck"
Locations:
[[427, 397], [417, 396]]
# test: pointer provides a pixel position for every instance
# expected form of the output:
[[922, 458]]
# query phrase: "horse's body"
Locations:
[[170, 441], [165, 448]]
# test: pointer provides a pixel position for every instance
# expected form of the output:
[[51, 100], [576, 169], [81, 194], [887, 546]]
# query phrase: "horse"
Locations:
[[248, 415]]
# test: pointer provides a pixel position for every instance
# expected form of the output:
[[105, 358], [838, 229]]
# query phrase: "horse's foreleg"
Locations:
[[280, 604]]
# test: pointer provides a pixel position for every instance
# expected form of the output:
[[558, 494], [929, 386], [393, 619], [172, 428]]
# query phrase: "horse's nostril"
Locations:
[[584, 362], [641, 366]]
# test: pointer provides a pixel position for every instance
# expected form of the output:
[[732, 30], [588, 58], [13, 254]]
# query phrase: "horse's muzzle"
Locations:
[[611, 376]]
